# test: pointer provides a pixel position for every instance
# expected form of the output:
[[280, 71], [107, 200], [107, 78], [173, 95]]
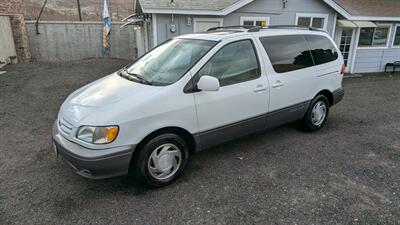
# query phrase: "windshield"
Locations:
[[167, 63]]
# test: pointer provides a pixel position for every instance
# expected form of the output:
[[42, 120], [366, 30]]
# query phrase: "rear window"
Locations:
[[287, 53], [322, 49]]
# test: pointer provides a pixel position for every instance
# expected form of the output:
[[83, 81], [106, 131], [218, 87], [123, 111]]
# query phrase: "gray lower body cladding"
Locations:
[[90, 163], [337, 96], [270, 120]]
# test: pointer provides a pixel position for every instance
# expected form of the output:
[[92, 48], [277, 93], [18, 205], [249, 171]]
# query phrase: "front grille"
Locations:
[[65, 126]]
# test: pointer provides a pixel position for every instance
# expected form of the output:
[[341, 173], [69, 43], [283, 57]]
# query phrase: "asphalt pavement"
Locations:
[[347, 173]]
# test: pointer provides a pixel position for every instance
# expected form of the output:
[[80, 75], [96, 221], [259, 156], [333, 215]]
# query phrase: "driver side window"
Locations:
[[234, 63]]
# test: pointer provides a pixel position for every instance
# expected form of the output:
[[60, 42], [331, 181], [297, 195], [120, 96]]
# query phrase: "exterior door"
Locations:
[[346, 43], [240, 105], [203, 24]]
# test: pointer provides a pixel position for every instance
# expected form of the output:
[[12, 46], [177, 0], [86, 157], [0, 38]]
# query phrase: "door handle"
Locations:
[[278, 84], [260, 88]]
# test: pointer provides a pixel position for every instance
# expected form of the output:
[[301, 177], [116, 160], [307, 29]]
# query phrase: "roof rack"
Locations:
[[258, 28], [230, 27], [250, 28]]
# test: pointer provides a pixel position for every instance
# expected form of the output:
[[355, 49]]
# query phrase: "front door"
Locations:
[[346, 43], [240, 105]]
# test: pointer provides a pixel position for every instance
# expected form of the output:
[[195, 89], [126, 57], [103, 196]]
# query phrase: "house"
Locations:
[[368, 33], [366, 30]]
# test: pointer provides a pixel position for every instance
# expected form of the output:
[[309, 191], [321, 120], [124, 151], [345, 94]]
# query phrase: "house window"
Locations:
[[396, 42], [312, 20], [254, 21], [203, 24], [374, 36]]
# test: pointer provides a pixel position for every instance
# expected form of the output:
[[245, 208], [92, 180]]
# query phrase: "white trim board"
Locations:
[[396, 27], [203, 19], [353, 60], [154, 27], [334, 26], [223, 12]]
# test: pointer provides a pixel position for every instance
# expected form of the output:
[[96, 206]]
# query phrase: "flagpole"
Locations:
[[106, 30], [79, 10]]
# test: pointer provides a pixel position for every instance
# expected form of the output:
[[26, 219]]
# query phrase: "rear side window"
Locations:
[[322, 49], [287, 53], [234, 63]]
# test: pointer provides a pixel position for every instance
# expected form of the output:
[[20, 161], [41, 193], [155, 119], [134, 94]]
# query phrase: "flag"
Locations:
[[105, 43]]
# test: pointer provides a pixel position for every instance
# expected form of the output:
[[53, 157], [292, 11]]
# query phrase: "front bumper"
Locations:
[[93, 164]]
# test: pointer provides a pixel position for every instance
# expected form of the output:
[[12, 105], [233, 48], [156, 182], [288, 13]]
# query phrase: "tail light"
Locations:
[[343, 69]]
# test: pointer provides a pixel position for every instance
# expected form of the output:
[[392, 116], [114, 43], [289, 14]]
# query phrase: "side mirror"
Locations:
[[208, 83]]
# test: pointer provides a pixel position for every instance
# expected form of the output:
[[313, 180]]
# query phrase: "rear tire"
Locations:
[[317, 114], [160, 161]]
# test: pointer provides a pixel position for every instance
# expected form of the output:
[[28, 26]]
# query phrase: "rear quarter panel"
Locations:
[[329, 75]]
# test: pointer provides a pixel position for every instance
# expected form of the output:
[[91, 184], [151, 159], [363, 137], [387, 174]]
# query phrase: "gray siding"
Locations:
[[164, 22], [265, 8], [279, 15], [374, 60]]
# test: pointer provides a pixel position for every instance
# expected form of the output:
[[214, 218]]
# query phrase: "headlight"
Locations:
[[97, 135]]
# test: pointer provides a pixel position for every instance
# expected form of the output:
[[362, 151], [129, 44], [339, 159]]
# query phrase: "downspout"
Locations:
[[40, 14]]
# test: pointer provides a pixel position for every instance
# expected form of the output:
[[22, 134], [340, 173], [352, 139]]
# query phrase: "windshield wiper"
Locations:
[[137, 77], [141, 78]]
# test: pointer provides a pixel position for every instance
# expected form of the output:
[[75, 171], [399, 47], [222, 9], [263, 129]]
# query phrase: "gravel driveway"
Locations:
[[348, 173]]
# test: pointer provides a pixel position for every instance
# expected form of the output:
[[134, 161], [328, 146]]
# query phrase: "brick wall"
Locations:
[[20, 37], [15, 10], [11, 6]]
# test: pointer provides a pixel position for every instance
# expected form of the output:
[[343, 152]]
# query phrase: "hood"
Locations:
[[103, 95]]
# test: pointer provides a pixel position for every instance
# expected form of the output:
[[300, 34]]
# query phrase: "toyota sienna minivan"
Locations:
[[196, 91]]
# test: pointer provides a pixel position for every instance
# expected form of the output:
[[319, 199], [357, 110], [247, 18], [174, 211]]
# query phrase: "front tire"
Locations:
[[161, 160], [317, 114]]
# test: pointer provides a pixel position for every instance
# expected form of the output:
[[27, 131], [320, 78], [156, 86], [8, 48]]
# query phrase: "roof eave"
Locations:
[[222, 12], [348, 16], [374, 18]]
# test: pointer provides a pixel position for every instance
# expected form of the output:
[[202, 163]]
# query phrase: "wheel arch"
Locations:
[[186, 135], [328, 94]]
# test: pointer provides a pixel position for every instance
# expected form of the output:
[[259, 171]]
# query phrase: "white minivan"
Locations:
[[196, 91]]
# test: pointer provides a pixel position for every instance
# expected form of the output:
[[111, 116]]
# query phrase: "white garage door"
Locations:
[[7, 45], [203, 24]]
